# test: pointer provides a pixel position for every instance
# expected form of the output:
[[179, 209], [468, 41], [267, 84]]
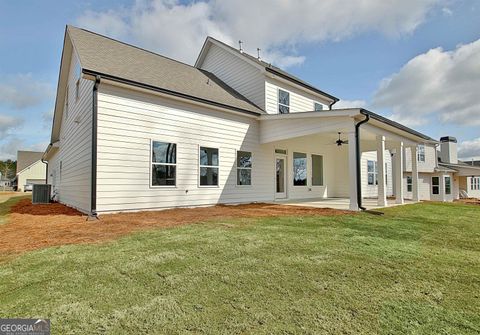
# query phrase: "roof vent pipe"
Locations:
[[240, 46], [258, 54]]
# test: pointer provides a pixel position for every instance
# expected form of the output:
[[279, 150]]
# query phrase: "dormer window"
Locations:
[[283, 102], [317, 107]]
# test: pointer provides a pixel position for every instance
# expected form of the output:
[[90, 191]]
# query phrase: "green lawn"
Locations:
[[415, 270]]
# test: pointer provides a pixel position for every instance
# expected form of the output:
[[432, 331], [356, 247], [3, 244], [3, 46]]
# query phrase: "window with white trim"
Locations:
[[421, 153], [435, 185], [299, 169], [409, 184], [474, 183], [283, 102], [164, 163], [448, 185], [372, 173], [317, 107], [208, 166], [244, 168]]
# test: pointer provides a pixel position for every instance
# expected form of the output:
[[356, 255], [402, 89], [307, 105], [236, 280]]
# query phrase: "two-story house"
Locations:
[[134, 130]]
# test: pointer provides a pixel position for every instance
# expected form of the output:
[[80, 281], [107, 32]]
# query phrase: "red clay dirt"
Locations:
[[31, 227]]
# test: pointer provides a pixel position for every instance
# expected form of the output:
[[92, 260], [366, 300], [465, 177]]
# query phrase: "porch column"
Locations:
[[352, 171], [443, 196], [399, 173], [382, 187], [414, 152]]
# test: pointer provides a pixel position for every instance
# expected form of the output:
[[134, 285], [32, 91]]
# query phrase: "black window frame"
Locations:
[[436, 186], [169, 166], [243, 168], [208, 167]]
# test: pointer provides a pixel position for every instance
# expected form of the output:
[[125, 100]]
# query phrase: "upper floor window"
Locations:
[[421, 153], [208, 166], [244, 168], [372, 172], [317, 107], [283, 102], [164, 163]]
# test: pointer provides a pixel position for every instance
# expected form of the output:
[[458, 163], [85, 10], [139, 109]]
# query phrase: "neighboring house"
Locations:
[[30, 169], [134, 130]]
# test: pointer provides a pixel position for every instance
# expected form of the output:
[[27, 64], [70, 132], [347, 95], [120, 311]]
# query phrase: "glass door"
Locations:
[[280, 177]]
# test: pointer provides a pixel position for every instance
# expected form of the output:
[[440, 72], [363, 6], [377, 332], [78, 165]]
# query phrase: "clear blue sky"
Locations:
[[347, 55]]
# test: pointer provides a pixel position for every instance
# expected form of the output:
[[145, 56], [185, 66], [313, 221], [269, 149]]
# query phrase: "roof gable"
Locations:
[[267, 67], [27, 158]]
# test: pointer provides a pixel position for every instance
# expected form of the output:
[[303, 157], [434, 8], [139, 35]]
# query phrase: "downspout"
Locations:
[[333, 103], [358, 153], [93, 199], [46, 163], [46, 168]]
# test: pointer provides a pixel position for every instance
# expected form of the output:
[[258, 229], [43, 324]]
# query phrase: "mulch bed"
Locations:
[[31, 227], [25, 206]]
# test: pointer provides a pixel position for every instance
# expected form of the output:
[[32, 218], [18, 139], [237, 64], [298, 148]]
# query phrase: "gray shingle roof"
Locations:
[[103, 55], [27, 158]]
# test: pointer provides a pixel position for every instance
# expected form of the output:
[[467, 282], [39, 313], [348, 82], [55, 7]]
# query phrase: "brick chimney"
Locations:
[[448, 150]]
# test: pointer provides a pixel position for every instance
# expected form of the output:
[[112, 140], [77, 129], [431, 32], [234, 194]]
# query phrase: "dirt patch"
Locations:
[[32, 227], [469, 201], [25, 206]]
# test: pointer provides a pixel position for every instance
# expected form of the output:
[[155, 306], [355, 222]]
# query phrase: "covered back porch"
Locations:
[[347, 179]]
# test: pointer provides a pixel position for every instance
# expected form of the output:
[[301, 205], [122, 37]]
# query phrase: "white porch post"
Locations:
[[415, 196], [352, 171], [442, 188], [382, 187], [399, 173]]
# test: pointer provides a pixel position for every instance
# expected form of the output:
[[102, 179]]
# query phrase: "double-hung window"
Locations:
[[448, 185], [409, 184], [208, 166], [283, 102], [372, 172], [164, 163], [317, 107], [421, 153], [244, 168], [299, 169], [435, 185], [475, 183]]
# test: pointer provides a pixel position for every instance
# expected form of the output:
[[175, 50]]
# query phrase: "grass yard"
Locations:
[[415, 270]]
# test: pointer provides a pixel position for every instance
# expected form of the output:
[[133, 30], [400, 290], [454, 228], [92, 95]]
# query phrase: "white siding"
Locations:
[[128, 121], [430, 160], [371, 191], [425, 187], [471, 193], [36, 171], [237, 73], [72, 183], [300, 101]]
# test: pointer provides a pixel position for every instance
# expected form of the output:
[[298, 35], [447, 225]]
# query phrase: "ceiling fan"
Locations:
[[340, 142]]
